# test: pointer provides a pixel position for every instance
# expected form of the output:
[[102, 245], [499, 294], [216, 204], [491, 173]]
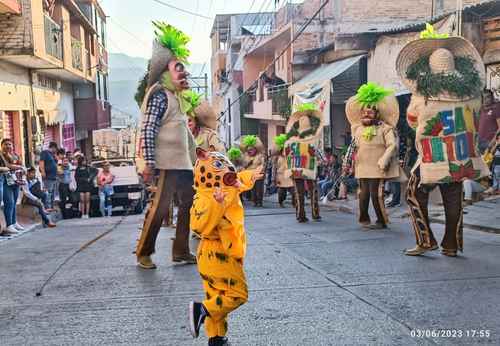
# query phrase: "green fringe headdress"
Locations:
[[193, 99], [249, 141], [429, 33], [174, 39], [306, 107], [234, 154], [280, 141], [370, 94]]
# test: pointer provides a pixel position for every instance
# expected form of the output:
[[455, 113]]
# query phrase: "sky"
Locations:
[[130, 30]]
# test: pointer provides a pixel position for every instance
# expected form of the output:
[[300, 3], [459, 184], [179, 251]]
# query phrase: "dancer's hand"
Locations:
[[219, 195], [148, 174], [258, 173]]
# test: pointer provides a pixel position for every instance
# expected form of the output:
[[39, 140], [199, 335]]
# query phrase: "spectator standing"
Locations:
[[84, 176], [64, 178], [48, 170], [105, 180], [494, 151], [11, 185], [36, 197], [489, 121], [3, 171]]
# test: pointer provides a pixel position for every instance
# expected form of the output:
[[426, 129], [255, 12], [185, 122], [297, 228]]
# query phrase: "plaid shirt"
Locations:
[[156, 107]]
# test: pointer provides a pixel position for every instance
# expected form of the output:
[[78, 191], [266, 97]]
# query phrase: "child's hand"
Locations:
[[258, 173], [219, 195]]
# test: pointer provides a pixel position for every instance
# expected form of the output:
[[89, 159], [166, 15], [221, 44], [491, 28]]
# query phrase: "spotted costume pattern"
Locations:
[[223, 240]]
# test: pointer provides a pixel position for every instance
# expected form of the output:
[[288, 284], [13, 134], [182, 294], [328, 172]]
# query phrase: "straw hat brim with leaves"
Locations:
[[388, 109], [295, 118], [414, 50], [206, 116]]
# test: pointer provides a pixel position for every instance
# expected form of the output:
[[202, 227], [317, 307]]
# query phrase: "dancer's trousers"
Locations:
[[170, 182], [224, 284], [372, 188], [282, 193], [300, 190], [418, 199], [258, 192]]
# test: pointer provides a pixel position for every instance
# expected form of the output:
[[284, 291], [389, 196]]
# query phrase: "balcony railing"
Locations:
[[103, 58], [281, 103], [53, 38], [76, 54]]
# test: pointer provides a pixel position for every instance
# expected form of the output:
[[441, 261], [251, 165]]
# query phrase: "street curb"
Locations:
[[29, 229], [472, 226]]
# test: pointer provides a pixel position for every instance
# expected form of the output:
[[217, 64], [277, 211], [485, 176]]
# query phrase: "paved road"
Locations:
[[325, 283]]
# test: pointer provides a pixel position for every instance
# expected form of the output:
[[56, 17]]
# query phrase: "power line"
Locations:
[[182, 10], [301, 30], [128, 32]]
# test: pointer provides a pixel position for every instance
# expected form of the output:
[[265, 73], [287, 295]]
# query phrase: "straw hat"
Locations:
[[388, 109], [206, 116], [442, 52], [304, 124]]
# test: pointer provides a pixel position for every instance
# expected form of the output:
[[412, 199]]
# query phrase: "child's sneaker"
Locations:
[[197, 316]]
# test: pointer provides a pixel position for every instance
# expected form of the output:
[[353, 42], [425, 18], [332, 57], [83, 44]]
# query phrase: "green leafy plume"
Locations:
[[234, 153], [370, 94], [280, 141], [194, 100], [174, 39], [429, 33], [250, 141], [306, 107]]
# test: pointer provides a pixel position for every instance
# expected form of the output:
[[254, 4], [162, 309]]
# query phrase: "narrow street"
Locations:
[[327, 283]]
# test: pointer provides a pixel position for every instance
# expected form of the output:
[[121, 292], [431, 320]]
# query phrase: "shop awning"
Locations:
[[55, 117], [323, 73]]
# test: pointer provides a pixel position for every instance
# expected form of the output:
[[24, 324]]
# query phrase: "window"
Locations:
[[105, 87], [98, 85], [69, 137], [439, 7], [46, 82]]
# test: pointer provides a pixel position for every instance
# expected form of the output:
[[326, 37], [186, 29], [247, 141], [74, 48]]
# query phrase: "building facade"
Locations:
[[53, 74]]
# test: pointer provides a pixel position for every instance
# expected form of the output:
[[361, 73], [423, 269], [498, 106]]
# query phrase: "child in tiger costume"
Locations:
[[217, 216]]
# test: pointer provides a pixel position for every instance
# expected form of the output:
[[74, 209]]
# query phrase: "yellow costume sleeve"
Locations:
[[245, 177], [206, 214]]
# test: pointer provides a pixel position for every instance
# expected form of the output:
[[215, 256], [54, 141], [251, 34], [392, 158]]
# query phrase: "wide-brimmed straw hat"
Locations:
[[206, 116], [388, 110], [441, 61], [304, 123]]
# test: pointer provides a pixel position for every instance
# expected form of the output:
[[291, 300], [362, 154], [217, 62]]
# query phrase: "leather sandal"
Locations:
[[449, 253], [418, 250], [145, 262]]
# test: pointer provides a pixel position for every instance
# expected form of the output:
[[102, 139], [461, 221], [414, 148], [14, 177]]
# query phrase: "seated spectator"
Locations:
[[471, 187], [35, 196], [494, 153]]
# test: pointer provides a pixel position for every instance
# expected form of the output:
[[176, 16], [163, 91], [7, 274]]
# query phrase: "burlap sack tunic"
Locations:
[[446, 139], [382, 149]]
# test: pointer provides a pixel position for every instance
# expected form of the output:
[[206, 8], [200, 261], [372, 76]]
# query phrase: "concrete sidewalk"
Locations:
[[483, 215]]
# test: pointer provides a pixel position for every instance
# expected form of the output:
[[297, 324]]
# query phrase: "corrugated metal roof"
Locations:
[[482, 10], [323, 73]]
